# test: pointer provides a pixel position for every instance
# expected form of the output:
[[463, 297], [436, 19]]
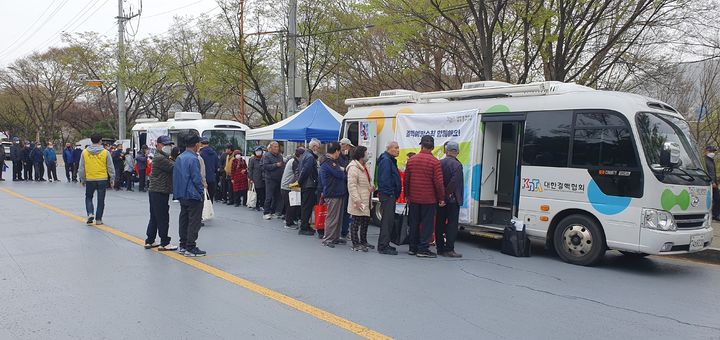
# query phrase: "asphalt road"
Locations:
[[62, 279]]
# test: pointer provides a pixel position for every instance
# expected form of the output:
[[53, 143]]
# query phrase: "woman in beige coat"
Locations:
[[360, 190]]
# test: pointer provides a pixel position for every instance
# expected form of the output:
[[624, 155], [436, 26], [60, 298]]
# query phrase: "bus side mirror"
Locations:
[[670, 155]]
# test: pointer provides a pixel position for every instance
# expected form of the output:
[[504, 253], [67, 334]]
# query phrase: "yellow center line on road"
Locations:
[[306, 308]]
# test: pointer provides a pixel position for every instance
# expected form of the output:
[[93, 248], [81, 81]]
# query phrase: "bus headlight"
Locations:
[[658, 220]]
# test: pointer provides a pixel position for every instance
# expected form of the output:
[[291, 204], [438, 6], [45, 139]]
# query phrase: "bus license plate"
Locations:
[[697, 242]]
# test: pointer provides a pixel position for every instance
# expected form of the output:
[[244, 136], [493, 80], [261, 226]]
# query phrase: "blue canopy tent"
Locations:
[[315, 121]]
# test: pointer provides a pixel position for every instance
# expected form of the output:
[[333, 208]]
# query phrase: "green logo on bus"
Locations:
[[670, 200]]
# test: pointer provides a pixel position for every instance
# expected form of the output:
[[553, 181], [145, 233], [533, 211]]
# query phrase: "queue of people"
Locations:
[[283, 188]]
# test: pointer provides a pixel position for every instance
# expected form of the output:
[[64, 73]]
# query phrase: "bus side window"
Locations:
[[547, 138], [602, 139], [352, 131]]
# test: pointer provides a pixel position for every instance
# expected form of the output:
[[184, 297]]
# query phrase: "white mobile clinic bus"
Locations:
[[219, 132], [585, 170]]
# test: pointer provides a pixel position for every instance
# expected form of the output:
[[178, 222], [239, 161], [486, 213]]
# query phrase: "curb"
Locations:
[[709, 255]]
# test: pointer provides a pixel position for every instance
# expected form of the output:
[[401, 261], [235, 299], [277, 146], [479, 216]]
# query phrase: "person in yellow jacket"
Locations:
[[96, 173]]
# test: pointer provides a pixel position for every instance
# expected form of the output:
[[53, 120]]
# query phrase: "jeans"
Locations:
[[90, 188], [212, 188], [52, 170], [272, 196], [346, 218], [69, 171], [141, 178], [39, 171], [128, 180], [421, 218], [17, 170], [75, 167], [260, 198], [387, 206], [28, 171], [159, 218], [446, 227], [308, 201], [190, 221]]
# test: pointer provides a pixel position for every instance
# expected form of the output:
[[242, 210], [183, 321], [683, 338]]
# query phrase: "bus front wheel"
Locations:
[[579, 240]]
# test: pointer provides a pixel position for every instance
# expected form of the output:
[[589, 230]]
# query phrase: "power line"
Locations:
[[79, 15], [173, 10], [47, 19], [30, 27]]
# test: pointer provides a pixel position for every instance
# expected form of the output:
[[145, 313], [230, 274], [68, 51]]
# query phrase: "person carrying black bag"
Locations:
[[446, 225]]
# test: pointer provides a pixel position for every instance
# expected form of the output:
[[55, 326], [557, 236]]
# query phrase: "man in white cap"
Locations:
[[446, 227], [346, 150]]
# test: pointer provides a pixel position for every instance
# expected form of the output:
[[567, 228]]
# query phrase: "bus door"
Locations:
[[499, 191]]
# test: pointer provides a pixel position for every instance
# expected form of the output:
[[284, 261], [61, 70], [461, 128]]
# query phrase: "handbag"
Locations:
[[295, 198], [252, 197], [208, 212], [400, 232], [320, 211], [515, 242]]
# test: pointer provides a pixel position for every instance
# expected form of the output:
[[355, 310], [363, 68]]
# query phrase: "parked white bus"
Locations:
[[585, 170], [219, 132]]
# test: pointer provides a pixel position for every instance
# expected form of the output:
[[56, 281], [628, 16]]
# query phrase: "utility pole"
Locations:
[[121, 68], [292, 58], [241, 43]]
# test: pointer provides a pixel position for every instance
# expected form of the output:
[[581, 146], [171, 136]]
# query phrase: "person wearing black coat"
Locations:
[[2, 161], [16, 158], [77, 153], [141, 161], [28, 163], [308, 180], [36, 156]]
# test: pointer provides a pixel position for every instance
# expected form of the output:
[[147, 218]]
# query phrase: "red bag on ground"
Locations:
[[320, 211]]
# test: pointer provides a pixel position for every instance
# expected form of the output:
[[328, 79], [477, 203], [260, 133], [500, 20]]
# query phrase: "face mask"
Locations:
[[346, 152], [238, 156], [366, 157], [258, 153], [167, 149], [711, 154]]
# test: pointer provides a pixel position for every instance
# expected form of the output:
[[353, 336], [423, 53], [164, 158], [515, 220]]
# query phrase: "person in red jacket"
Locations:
[[239, 179], [424, 192]]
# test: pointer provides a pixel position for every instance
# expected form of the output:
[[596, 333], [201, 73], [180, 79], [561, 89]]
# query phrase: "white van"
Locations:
[[586, 170], [219, 132]]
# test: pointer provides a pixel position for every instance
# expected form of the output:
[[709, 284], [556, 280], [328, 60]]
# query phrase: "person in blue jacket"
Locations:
[[50, 162], [389, 189], [69, 161], [212, 160], [141, 161], [189, 190], [37, 158], [77, 153], [334, 184]]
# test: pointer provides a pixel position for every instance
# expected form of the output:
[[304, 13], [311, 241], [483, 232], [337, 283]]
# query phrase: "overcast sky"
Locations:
[[29, 25]]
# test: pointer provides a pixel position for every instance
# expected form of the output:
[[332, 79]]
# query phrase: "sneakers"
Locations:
[[181, 250], [90, 219], [426, 253], [340, 241], [98, 222], [292, 226], [329, 244], [306, 232], [151, 245], [452, 254], [369, 246], [359, 247], [412, 252], [194, 252], [387, 251], [267, 217], [168, 247]]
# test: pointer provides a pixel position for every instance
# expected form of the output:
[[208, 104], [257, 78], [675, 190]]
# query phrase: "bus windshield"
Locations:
[[656, 130], [220, 138]]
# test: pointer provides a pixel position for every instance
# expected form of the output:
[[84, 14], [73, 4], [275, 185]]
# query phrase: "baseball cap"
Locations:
[[346, 141], [299, 151], [710, 148], [427, 139], [165, 140], [452, 146], [204, 140]]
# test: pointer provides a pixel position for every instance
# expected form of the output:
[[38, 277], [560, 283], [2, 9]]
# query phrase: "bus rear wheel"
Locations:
[[579, 240]]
